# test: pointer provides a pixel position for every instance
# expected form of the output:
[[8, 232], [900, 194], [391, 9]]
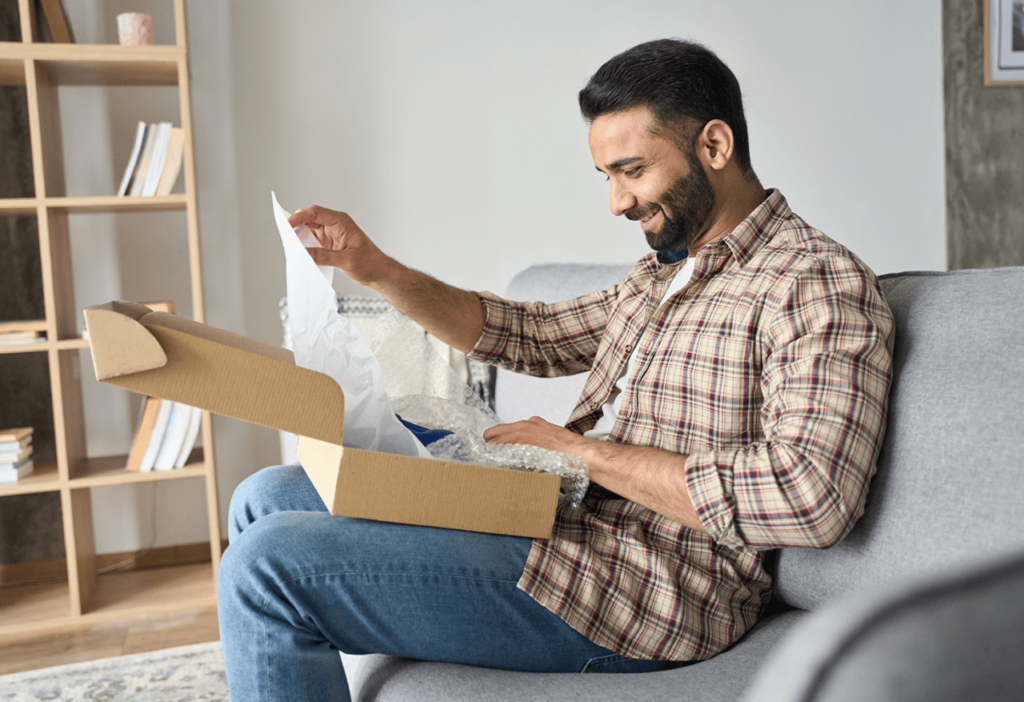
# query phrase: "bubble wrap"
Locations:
[[425, 390]]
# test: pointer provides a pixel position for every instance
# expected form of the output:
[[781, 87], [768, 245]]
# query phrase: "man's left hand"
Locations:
[[536, 432]]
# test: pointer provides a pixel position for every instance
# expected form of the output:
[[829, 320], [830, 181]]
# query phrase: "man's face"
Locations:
[[652, 181]]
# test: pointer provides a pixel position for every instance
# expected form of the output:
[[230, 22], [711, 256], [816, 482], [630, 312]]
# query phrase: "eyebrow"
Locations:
[[620, 163]]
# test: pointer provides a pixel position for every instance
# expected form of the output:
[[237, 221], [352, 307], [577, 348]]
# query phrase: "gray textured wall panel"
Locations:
[[984, 149]]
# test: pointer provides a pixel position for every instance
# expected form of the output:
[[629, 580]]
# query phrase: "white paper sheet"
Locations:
[[325, 341]]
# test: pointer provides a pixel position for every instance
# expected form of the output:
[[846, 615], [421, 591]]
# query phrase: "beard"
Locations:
[[690, 199]]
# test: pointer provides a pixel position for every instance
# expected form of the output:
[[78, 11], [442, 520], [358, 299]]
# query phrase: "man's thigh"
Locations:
[[415, 592]]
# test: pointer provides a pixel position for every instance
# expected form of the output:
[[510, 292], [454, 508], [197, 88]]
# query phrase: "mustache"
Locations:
[[638, 212]]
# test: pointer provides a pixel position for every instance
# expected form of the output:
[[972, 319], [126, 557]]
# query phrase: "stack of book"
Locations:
[[15, 454], [155, 161], [165, 436], [167, 431], [23, 332]]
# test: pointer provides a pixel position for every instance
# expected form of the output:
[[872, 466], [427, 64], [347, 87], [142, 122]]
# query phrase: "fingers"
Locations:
[[522, 432], [314, 215], [327, 257]]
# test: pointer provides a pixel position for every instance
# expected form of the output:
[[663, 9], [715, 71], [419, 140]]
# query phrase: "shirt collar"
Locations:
[[754, 231], [667, 258]]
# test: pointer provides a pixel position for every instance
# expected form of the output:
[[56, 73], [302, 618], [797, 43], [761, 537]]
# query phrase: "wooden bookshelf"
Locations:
[[85, 595]]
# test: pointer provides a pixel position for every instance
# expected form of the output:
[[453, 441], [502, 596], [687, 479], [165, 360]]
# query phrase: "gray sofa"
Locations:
[[925, 598]]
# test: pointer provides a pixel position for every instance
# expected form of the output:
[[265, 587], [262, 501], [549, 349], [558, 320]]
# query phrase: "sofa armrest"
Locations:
[[949, 636]]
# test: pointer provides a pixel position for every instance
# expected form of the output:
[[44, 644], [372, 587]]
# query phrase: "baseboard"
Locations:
[[57, 569]]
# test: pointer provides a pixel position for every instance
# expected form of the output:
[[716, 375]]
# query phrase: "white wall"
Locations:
[[450, 131]]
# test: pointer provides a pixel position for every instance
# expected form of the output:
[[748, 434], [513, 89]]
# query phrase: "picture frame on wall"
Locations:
[[1004, 42]]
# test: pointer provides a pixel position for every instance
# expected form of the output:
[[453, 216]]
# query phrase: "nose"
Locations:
[[620, 199]]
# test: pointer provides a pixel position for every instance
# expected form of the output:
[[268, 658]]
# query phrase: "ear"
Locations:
[[715, 144]]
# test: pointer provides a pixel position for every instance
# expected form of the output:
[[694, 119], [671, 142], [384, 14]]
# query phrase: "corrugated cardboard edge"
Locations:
[[138, 351], [372, 485], [320, 460], [217, 370]]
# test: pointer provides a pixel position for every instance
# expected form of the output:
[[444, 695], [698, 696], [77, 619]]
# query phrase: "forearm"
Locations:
[[648, 476], [453, 315]]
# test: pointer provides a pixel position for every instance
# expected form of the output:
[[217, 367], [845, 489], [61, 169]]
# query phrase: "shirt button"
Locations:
[[629, 348]]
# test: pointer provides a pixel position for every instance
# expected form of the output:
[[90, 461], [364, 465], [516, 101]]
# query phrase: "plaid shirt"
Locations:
[[769, 370]]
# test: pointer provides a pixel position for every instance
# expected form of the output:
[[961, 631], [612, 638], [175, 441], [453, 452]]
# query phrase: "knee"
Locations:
[[251, 556], [254, 497]]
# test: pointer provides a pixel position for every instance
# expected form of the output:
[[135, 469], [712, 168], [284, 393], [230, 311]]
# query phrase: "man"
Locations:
[[741, 374]]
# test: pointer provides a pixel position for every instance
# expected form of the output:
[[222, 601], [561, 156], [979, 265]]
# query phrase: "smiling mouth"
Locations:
[[647, 218]]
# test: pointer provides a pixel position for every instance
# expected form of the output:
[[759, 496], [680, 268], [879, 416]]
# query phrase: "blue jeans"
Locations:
[[297, 585]]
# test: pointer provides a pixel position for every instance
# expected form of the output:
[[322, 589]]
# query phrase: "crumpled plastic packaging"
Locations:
[[401, 373], [425, 390]]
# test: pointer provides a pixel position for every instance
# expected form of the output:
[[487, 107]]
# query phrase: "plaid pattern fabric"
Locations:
[[769, 370]]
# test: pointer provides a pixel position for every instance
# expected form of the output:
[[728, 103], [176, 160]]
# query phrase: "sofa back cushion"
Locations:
[[518, 396], [950, 479]]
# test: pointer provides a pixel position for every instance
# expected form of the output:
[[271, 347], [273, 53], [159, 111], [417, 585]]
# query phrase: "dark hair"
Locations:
[[685, 85]]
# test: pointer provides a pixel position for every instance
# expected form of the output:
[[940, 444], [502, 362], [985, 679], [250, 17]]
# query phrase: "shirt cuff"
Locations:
[[495, 334], [709, 481]]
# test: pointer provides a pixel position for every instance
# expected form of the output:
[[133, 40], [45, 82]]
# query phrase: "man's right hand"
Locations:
[[345, 245], [454, 316]]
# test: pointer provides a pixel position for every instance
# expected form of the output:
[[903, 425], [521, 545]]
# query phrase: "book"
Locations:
[[14, 445], [11, 473], [156, 436], [157, 159], [194, 424], [17, 434], [21, 337], [37, 325], [174, 436], [56, 21], [142, 168], [133, 160], [16, 455], [147, 418], [172, 166]]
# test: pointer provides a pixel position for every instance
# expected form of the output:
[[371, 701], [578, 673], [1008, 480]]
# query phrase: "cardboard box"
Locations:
[[170, 357]]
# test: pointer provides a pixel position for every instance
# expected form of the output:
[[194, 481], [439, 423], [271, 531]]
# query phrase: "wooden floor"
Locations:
[[112, 638]]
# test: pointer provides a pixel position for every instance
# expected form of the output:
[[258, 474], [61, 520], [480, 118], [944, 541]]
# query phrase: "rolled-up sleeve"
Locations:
[[543, 339], [827, 364]]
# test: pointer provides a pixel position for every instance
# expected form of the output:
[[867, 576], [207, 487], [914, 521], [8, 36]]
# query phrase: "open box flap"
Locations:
[[213, 369], [120, 320]]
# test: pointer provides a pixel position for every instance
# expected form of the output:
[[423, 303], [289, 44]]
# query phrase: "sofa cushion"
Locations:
[[938, 637], [519, 397], [723, 678], [949, 483]]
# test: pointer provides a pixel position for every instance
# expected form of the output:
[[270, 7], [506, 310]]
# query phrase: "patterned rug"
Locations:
[[173, 675]]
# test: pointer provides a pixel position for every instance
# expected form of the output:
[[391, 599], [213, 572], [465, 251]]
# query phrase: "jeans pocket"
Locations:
[[615, 663], [601, 663]]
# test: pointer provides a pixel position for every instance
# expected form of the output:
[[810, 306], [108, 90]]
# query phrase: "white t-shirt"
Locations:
[[604, 425]]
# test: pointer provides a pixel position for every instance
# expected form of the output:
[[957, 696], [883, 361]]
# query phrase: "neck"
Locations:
[[737, 195]]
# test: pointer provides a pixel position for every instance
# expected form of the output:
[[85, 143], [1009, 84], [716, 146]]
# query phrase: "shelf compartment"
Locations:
[[109, 470], [153, 590], [12, 70], [97, 205], [93, 64], [43, 478], [113, 203], [32, 606], [18, 206]]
